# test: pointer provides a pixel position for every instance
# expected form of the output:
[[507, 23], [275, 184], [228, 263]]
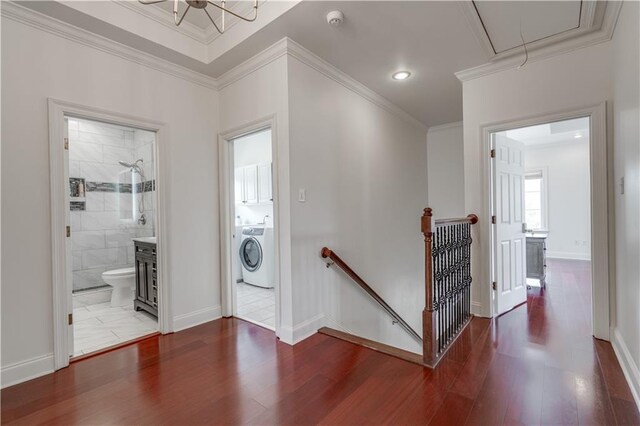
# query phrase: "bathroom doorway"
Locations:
[[253, 251], [112, 237]]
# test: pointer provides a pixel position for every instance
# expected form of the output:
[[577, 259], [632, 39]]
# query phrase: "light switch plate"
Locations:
[[302, 195]]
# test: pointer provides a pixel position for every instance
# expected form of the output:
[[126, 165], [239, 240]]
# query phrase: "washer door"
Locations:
[[251, 254]]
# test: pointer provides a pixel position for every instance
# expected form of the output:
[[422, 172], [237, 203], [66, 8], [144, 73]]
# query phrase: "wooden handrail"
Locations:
[[472, 219], [327, 253]]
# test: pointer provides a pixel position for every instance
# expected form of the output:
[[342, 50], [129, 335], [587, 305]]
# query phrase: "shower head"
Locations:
[[130, 165]]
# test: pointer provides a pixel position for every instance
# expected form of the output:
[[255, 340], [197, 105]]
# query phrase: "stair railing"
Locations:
[[447, 283]]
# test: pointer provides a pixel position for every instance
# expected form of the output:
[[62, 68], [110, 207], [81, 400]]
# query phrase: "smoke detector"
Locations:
[[335, 18]]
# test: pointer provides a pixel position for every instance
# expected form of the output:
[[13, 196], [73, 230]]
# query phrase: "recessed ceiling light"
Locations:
[[577, 135], [401, 75]]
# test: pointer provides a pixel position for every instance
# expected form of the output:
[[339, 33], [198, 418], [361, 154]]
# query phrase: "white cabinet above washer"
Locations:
[[253, 184]]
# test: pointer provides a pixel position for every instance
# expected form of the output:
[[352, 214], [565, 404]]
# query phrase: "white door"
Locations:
[[251, 184], [68, 253], [264, 183], [510, 244]]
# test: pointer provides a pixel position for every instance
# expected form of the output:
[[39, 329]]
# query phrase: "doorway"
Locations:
[[112, 205], [108, 225], [254, 278], [543, 205]]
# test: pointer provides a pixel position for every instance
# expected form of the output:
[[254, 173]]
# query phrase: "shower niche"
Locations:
[[77, 194]]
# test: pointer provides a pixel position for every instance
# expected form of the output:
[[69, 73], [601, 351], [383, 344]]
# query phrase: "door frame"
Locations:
[[600, 241], [58, 110], [227, 213]]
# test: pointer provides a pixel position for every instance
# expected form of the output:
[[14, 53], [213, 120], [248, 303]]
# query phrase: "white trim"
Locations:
[[599, 166], [227, 218], [201, 316], [58, 110], [567, 255], [543, 49], [627, 363], [476, 309], [312, 60], [265, 57], [286, 46], [445, 126], [22, 371], [301, 331], [21, 14]]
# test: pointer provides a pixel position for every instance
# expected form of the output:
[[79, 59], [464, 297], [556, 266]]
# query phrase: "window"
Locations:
[[534, 200]]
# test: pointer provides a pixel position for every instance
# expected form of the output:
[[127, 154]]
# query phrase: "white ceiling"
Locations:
[[503, 20], [432, 39], [560, 131]]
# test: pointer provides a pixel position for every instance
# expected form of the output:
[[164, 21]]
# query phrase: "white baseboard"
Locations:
[[629, 367], [476, 309], [26, 370], [299, 332], [184, 321], [568, 255]]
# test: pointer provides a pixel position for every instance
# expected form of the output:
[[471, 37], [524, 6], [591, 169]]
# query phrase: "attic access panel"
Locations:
[[538, 19]]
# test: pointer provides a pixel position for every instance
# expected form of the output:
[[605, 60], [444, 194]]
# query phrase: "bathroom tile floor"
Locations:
[[257, 304], [97, 325]]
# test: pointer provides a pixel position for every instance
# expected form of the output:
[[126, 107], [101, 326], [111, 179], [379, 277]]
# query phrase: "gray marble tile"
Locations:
[[101, 128], [94, 201], [98, 172], [100, 257], [113, 154], [120, 237], [80, 151], [81, 240], [95, 221], [76, 221]]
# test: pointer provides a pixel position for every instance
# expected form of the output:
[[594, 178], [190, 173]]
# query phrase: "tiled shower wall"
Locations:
[[104, 222]]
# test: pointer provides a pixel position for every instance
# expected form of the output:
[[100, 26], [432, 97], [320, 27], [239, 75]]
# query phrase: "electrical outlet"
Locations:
[[622, 185]]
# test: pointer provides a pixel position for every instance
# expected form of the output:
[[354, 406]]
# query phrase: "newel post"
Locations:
[[429, 349]]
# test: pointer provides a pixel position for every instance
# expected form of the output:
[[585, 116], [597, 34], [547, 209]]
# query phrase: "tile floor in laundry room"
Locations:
[[98, 325], [256, 304]]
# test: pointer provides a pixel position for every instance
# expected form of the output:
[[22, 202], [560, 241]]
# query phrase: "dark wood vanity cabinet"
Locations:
[[537, 257], [146, 278]]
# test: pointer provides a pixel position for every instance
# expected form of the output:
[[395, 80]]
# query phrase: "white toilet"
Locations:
[[123, 282]]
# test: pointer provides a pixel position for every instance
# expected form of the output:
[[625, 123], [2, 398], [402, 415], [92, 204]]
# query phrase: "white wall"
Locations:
[[364, 173], [568, 193], [445, 167], [256, 96], [44, 65], [571, 81], [625, 70]]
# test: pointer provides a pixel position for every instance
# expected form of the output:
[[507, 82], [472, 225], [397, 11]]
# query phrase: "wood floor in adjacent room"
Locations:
[[534, 365]]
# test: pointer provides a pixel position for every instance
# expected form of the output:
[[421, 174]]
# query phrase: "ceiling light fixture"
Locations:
[[577, 135], [202, 4], [401, 75]]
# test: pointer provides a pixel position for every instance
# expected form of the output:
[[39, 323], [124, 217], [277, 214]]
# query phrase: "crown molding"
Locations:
[[286, 46], [21, 14], [553, 46], [310, 59], [268, 55], [445, 126]]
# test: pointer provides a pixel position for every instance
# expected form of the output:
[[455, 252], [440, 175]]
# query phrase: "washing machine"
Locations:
[[257, 256]]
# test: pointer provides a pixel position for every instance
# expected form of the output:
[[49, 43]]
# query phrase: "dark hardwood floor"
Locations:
[[534, 365]]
